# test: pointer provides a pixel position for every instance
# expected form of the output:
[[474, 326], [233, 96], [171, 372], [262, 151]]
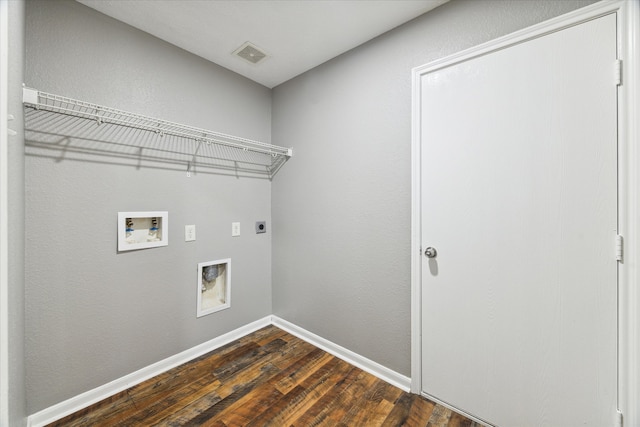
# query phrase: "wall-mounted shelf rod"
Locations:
[[72, 107]]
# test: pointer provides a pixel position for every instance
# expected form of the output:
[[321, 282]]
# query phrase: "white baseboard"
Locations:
[[392, 377], [90, 397], [81, 401]]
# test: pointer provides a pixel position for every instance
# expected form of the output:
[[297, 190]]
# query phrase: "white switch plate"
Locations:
[[189, 233], [235, 229]]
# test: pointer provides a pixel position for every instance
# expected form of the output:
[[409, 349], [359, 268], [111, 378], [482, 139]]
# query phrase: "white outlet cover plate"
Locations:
[[235, 229], [189, 233]]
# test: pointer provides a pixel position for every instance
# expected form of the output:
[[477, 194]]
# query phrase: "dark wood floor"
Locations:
[[268, 378]]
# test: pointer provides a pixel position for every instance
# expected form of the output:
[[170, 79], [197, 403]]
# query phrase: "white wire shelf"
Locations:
[[188, 144]]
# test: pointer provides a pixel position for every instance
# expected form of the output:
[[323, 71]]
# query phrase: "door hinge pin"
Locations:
[[618, 72], [619, 247]]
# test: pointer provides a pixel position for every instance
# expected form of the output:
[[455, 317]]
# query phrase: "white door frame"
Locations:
[[4, 212], [628, 13]]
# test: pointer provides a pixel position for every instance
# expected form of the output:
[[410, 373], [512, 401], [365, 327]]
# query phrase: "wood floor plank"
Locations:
[[255, 375], [439, 417], [420, 410], [409, 410], [286, 384], [268, 378], [201, 395], [317, 389], [321, 408], [209, 393], [269, 334], [364, 412], [244, 377], [267, 394], [458, 420], [188, 415], [154, 397], [304, 395], [359, 397], [382, 411], [400, 412], [248, 359], [347, 400], [203, 413], [91, 415]]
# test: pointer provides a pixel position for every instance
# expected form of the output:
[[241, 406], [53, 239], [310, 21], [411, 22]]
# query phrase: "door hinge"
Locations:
[[618, 419], [617, 72], [619, 247]]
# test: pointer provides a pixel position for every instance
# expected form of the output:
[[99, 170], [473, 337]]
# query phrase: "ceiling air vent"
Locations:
[[250, 53]]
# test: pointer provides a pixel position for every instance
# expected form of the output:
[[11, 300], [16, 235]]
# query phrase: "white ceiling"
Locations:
[[296, 34]]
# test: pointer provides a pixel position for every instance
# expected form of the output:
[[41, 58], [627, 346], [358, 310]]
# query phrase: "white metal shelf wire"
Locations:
[[161, 140]]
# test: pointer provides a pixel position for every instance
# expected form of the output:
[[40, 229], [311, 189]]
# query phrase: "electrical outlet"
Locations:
[[189, 233], [261, 227], [235, 229]]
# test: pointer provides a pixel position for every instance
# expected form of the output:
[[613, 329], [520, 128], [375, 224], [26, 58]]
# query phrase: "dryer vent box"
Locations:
[[261, 227]]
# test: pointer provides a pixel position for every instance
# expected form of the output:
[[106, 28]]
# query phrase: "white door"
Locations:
[[519, 199]]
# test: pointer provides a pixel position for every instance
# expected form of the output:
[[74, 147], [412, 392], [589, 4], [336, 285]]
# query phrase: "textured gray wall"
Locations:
[[17, 398], [93, 315], [342, 207]]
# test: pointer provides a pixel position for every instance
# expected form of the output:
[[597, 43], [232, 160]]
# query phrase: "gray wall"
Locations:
[[342, 206], [93, 315], [16, 381]]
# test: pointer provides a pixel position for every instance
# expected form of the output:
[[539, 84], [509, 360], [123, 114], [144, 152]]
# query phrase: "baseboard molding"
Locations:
[[90, 397], [69, 406], [394, 378]]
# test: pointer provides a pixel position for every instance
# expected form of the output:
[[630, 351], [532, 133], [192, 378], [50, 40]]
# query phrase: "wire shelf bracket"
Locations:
[[39, 100]]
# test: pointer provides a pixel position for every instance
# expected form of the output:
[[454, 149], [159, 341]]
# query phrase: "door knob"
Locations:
[[430, 252]]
